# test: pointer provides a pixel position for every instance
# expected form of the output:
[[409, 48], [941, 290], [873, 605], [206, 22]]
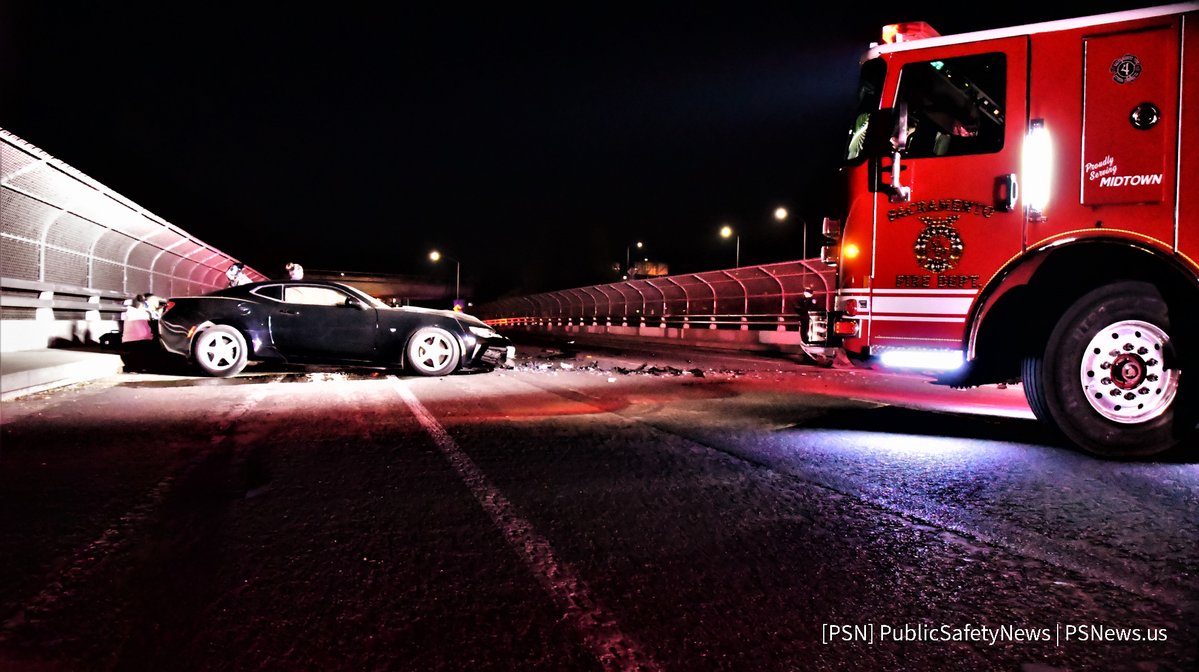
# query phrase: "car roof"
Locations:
[[241, 290]]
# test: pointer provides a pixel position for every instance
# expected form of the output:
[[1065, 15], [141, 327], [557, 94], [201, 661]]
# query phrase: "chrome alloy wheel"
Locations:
[[432, 351], [1123, 374]]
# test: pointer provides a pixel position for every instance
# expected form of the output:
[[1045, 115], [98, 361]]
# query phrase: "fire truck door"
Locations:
[[1130, 78], [934, 252]]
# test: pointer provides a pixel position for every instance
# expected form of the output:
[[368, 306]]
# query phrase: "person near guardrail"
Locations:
[[135, 323], [155, 305], [140, 349], [237, 274]]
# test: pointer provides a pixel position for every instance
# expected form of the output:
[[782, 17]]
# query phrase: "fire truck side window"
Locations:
[[870, 93], [955, 105]]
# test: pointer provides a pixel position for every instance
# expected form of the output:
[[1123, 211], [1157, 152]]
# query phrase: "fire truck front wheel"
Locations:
[[1109, 377]]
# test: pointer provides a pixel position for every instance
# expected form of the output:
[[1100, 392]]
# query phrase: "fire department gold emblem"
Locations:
[[939, 247]]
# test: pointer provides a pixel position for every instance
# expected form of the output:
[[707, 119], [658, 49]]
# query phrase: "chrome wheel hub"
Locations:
[[1123, 374], [433, 352]]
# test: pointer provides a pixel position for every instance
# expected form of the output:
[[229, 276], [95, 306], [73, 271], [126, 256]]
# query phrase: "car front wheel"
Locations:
[[220, 351], [432, 351]]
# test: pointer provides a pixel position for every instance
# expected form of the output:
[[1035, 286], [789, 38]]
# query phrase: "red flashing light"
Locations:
[[845, 327], [906, 32]]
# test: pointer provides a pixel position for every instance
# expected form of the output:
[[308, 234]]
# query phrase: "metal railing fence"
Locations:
[[771, 296], [65, 229]]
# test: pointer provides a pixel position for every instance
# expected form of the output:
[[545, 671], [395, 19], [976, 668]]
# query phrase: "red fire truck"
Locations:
[[1022, 204]]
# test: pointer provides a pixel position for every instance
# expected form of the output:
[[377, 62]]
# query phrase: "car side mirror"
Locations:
[[351, 302]]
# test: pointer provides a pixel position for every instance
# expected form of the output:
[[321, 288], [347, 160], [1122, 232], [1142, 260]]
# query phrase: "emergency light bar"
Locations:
[[906, 32]]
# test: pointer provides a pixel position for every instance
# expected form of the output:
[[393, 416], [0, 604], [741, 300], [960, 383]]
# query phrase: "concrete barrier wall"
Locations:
[[787, 341]]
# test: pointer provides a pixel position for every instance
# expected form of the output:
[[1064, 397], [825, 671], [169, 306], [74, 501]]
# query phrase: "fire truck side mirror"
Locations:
[[899, 133], [900, 193]]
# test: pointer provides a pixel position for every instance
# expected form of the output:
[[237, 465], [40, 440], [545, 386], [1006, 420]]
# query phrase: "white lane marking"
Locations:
[[595, 624]]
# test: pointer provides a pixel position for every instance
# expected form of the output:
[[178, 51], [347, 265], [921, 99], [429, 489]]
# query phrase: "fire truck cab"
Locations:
[[1022, 204]]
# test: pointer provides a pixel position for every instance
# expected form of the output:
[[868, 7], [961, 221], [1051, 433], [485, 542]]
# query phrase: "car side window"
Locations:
[[314, 296], [270, 291]]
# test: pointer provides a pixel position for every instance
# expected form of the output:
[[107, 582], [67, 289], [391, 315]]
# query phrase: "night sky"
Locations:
[[532, 145]]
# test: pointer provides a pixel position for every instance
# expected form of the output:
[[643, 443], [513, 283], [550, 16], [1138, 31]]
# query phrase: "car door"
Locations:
[[323, 323]]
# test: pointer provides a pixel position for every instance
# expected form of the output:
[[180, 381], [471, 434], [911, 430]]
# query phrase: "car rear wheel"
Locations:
[[432, 351], [220, 351]]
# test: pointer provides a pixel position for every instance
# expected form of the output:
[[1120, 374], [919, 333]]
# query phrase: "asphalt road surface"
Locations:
[[585, 510]]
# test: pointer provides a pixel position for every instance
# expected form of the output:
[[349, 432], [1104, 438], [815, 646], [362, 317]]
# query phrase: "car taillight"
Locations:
[[170, 305]]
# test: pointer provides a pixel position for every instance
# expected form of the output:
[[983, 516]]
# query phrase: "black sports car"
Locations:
[[319, 322]]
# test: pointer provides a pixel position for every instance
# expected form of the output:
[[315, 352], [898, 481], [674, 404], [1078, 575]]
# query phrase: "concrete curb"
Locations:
[[29, 371]]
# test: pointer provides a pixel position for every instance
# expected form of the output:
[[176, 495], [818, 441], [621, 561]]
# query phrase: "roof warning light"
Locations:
[[906, 32]]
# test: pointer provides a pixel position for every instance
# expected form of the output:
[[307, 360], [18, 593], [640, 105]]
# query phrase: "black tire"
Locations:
[[220, 351], [432, 351], [1031, 373], [1110, 376]]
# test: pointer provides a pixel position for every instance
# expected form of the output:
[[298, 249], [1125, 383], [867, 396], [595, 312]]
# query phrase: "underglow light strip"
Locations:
[[929, 360]]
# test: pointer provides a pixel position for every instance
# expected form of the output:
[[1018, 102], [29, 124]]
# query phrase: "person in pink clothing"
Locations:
[[135, 322]]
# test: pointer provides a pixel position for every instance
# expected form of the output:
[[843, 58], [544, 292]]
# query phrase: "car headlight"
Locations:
[[483, 332]]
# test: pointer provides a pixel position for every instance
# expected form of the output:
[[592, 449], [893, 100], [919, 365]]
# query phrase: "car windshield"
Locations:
[[366, 298]]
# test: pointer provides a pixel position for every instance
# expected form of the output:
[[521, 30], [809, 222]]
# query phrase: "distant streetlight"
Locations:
[[627, 250], [726, 231], [436, 256], [781, 215]]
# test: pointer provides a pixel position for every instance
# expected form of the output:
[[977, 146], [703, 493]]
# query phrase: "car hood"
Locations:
[[452, 314]]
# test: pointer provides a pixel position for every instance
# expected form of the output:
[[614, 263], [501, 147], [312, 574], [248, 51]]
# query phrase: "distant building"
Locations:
[[648, 269]]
